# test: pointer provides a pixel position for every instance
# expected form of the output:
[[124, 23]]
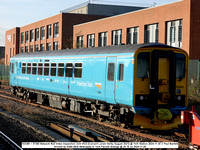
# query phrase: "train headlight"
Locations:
[[141, 98], [179, 98]]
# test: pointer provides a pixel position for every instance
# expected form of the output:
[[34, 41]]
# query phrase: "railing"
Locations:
[[4, 72]]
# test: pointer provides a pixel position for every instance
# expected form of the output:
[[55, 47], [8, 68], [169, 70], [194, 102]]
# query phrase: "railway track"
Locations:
[[7, 95], [6, 143]]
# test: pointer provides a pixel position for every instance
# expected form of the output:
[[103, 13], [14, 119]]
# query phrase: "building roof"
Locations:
[[108, 3], [91, 51]]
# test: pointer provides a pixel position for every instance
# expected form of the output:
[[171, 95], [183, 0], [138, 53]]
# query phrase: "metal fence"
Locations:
[[4, 72]]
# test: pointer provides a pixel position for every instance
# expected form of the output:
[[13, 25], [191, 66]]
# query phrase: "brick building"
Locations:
[[176, 24], [52, 33]]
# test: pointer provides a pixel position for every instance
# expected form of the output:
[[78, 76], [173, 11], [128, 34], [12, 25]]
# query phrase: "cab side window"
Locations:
[[143, 59]]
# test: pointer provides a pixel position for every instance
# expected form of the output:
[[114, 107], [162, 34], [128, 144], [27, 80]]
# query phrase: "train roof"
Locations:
[[89, 51]]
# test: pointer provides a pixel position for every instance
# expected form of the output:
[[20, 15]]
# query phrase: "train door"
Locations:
[[110, 79], [163, 77], [69, 77]]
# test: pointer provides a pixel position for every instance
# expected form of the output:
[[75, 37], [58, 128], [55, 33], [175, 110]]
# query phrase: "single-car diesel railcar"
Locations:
[[143, 85]]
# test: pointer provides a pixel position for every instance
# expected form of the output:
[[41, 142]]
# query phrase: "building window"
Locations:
[[42, 35], [36, 48], [79, 41], [48, 46], [22, 49], [48, 31], [22, 37], [13, 38], [55, 29], [31, 36], [116, 37], [174, 33], [91, 40], [103, 39], [41, 47], [78, 70], [151, 33], [55, 45], [26, 49], [132, 35], [31, 48], [37, 34], [26, 36]]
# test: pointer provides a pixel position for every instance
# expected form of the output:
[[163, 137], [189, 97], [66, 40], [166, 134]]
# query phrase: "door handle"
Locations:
[[151, 88]]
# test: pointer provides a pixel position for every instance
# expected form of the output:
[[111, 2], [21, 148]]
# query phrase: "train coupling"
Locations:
[[159, 122]]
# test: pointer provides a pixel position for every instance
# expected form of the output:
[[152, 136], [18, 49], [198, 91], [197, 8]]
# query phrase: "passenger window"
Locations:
[[143, 65], [40, 68], [46, 69], [69, 69], [34, 68], [12, 68], [111, 70], [28, 68], [180, 66], [53, 69], [61, 69], [78, 70], [23, 68], [121, 72]]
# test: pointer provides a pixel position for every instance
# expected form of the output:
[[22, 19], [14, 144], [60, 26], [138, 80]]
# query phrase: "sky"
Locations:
[[17, 13]]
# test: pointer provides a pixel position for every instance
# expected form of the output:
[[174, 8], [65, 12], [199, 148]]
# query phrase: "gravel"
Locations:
[[18, 132]]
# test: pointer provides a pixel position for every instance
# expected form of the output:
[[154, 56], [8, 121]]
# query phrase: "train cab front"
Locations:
[[160, 87]]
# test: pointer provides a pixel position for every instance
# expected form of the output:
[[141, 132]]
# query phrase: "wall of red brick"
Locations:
[[39, 24], [195, 30], [12, 43], [73, 19], [160, 15]]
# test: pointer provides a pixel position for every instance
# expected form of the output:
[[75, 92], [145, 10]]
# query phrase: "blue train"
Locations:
[[143, 85]]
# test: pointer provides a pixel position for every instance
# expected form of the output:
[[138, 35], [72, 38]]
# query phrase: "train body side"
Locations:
[[93, 83], [142, 85]]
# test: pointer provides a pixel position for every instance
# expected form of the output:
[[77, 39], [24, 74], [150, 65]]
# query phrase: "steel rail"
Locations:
[[10, 142]]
